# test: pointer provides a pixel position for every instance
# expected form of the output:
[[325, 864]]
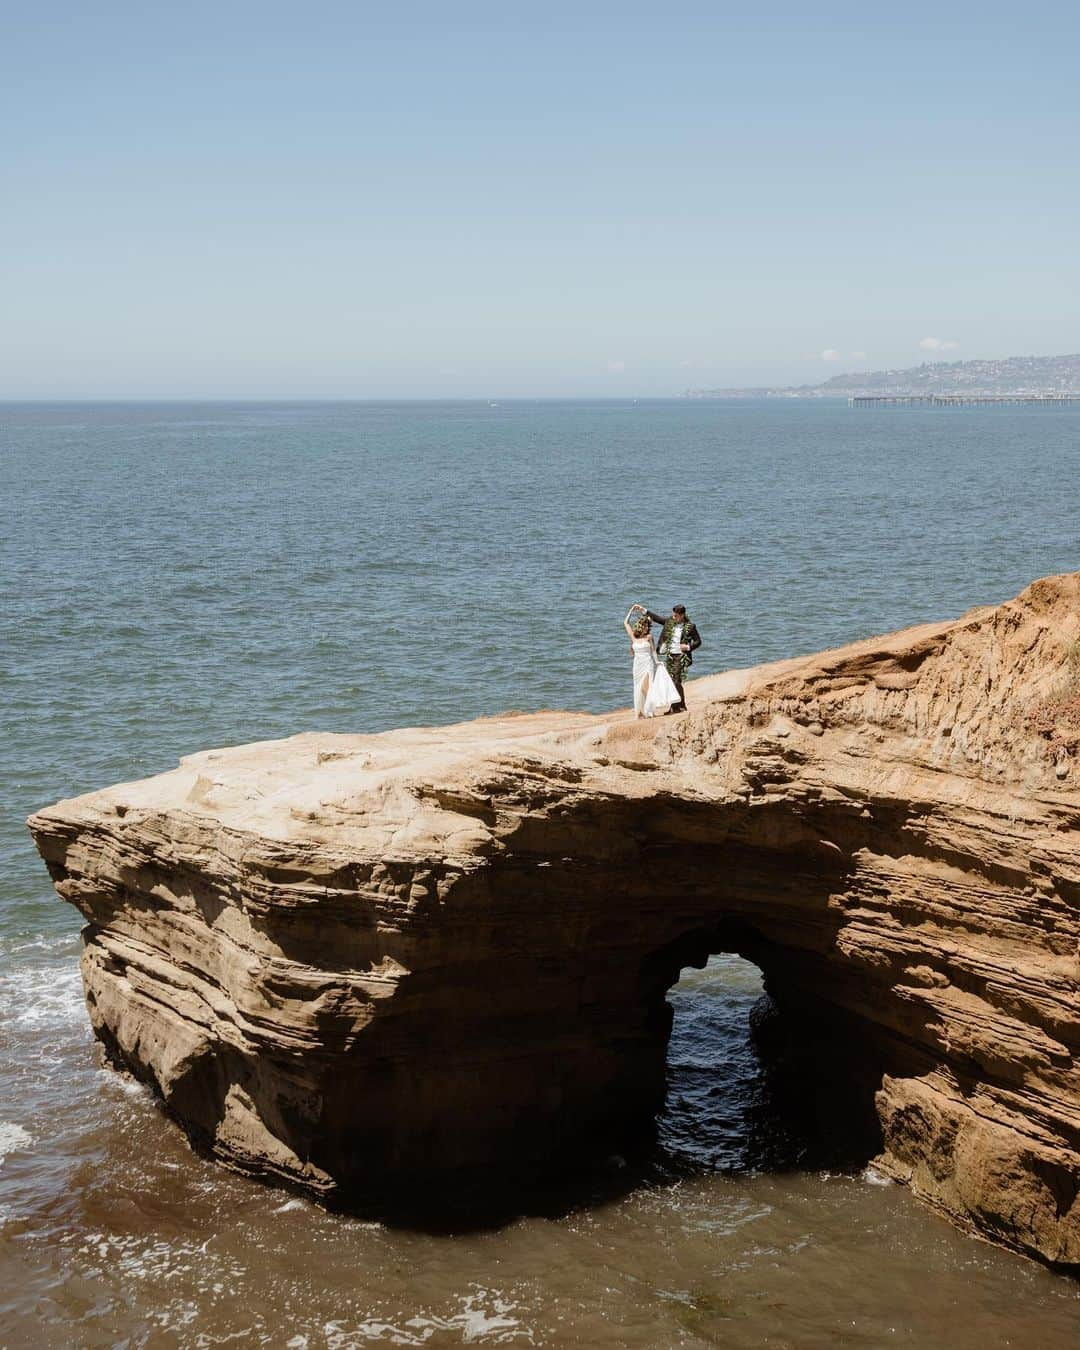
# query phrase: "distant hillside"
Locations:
[[1013, 375]]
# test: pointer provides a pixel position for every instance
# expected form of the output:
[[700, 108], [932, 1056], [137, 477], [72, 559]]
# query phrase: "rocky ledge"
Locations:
[[361, 964]]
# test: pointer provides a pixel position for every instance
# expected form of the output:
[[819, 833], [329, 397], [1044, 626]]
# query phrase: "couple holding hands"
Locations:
[[659, 669]]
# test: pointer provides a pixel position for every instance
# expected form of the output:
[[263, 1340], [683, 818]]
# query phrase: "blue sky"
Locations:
[[349, 200]]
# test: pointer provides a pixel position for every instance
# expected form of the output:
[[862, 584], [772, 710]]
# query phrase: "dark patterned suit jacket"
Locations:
[[690, 634]]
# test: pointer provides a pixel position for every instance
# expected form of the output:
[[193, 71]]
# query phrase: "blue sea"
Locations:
[[181, 576]]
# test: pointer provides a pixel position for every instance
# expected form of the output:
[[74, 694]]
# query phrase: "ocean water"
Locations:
[[175, 577]]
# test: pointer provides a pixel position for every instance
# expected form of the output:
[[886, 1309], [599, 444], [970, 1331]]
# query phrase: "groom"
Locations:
[[678, 638]]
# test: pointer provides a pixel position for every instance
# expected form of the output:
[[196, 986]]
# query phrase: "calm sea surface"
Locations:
[[176, 577]]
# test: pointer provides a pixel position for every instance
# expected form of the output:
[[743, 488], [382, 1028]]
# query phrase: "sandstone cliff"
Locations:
[[363, 962]]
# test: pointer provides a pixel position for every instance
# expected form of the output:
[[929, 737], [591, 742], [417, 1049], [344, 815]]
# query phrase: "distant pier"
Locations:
[[957, 400]]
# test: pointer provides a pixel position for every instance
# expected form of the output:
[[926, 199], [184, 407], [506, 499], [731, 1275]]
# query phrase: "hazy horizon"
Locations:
[[626, 396], [336, 204]]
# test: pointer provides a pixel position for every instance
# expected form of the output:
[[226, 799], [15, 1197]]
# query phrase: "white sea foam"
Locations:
[[126, 1085], [13, 1137], [42, 997], [477, 1324], [484, 1317], [876, 1178], [64, 944], [136, 1259]]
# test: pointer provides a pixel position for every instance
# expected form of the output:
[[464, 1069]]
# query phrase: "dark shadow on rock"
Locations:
[[784, 1087]]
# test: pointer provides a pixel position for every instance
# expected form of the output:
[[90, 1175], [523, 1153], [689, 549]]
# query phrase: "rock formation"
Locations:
[[362, 963]]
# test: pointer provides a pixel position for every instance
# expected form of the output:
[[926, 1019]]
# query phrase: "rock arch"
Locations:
[[363, 963]]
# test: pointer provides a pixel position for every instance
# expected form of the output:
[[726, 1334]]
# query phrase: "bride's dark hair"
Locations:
[[642, 628]]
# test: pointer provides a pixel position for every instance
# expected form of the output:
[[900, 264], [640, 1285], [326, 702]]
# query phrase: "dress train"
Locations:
[[662, 692]]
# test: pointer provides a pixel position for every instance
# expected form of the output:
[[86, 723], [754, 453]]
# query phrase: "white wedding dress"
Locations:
[[661, 692]]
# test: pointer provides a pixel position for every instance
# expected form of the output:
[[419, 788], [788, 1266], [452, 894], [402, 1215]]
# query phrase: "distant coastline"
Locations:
[[1014, 376]]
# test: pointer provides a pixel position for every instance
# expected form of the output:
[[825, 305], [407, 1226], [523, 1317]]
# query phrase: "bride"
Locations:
[[654, 689]]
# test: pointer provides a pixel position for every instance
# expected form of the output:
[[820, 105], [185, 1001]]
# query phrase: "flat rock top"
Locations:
[[363, 787], [267, 786]]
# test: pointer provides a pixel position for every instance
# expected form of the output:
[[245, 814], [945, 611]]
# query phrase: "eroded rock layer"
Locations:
[[360, 963]]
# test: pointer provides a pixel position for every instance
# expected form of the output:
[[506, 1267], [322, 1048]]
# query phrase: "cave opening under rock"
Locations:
[[751, 1087]]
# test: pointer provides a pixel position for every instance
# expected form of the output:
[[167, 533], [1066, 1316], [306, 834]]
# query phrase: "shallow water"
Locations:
[[177, 577]]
